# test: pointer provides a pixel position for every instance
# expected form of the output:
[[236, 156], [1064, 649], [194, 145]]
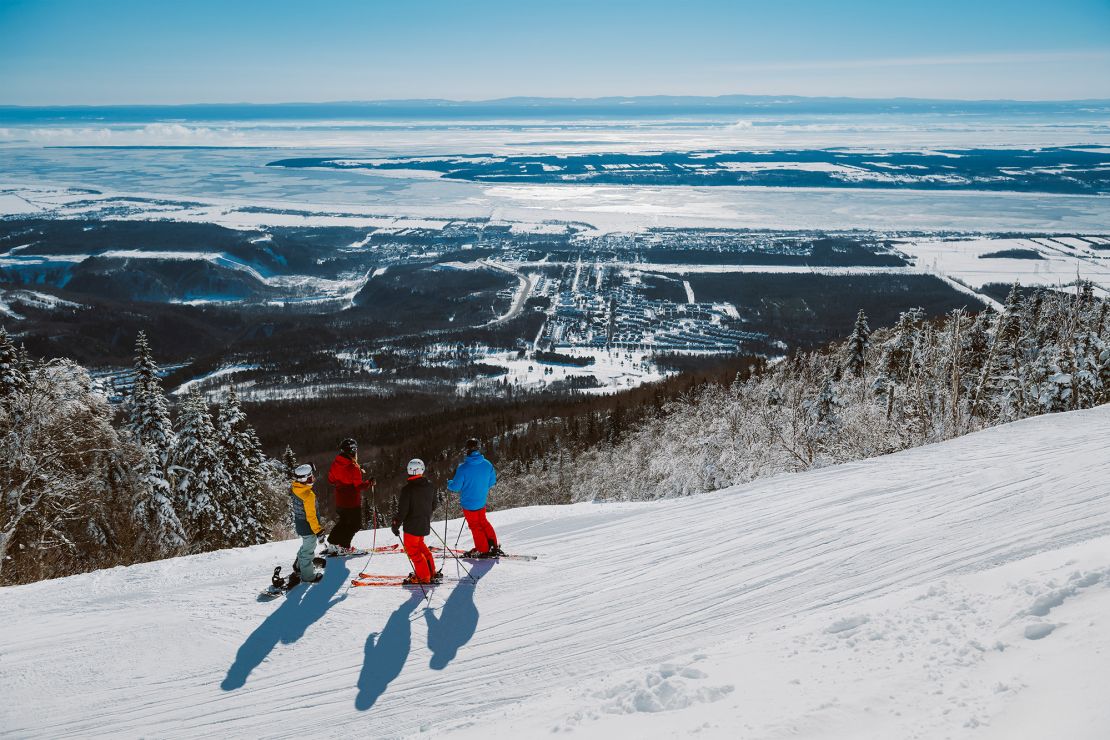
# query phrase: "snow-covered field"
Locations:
[[1059, 260], [614, 370], [960, 591]]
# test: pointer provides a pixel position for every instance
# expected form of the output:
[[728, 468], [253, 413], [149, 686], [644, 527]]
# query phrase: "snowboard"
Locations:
[[280, 585], [355, 554]]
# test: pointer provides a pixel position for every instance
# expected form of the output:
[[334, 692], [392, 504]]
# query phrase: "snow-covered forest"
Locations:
[[87, 486], [880, 391], [81, 490]]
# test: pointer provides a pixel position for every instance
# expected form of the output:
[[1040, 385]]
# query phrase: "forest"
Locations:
[[87, 485]]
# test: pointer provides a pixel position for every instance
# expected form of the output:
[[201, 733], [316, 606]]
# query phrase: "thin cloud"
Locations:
[[929, 61]]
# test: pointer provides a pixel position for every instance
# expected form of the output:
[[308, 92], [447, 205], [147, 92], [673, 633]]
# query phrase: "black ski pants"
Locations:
[[350, 521]]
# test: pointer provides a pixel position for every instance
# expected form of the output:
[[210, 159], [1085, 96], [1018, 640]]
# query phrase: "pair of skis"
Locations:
[[396, 548], [462, 554], [382, 579]]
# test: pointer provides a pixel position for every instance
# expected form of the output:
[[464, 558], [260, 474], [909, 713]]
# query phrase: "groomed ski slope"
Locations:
[[960, 590]]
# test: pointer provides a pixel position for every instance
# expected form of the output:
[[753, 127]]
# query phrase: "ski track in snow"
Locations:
[[955, 590]]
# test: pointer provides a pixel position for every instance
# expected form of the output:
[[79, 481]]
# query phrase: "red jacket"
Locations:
[[346, 476]]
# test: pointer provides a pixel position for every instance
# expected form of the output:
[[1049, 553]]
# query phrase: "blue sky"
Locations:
[[120, 51]]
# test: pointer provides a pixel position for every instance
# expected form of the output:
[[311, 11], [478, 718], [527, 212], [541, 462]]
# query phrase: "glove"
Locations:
[[396, 527]]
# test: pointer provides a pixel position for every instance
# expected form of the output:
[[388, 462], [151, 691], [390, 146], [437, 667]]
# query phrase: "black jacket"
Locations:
[[415, 506]]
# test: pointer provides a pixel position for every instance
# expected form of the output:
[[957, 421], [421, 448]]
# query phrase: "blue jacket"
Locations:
[[472, 481]]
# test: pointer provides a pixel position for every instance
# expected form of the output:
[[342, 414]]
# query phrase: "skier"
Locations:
[[307, 525], [346, 475], [472, 481], [414, 512]]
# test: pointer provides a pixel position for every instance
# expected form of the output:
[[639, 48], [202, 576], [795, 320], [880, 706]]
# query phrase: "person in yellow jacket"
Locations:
[[306, 523]]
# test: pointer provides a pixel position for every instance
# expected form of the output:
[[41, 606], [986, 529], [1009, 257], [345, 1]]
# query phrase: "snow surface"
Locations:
[[960, 590], [965, 260]]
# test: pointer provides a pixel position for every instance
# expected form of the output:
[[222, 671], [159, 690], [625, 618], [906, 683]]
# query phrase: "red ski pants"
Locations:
[[423, 564], [481, 529]]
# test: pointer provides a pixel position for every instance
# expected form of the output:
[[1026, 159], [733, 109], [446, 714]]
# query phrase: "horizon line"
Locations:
[[562, 99]]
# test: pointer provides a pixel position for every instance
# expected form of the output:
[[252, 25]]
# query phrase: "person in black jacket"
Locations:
[[414, 511]]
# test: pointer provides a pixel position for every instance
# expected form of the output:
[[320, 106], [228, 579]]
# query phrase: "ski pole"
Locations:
[[458, 560], [374, 540], [459, 537]]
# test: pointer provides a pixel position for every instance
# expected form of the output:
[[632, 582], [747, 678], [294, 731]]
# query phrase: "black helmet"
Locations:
[[348, 446], [473, 444]]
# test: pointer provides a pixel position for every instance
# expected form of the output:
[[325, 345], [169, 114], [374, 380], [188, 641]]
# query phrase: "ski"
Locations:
[[459, 553], [399, 581], [462, 554]]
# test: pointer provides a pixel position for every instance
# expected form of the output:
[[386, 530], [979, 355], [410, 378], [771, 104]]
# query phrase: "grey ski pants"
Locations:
[[304, 557]]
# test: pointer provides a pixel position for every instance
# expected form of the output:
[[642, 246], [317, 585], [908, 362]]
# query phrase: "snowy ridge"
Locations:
[[954, 590]]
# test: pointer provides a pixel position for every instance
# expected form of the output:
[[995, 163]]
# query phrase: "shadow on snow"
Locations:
[[457, 622], [303, 606], [387, 651]]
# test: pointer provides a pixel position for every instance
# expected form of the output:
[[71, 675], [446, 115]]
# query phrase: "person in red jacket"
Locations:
[[346, 476]]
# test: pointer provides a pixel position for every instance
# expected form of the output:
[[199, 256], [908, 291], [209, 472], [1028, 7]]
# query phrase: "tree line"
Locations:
[[917, 382], [82, 490]]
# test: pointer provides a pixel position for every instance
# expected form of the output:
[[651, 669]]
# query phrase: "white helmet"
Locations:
[[304, 473], [416, 466]]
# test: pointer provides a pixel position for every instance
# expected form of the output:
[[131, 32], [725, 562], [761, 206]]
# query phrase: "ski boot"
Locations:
[[494, 551]]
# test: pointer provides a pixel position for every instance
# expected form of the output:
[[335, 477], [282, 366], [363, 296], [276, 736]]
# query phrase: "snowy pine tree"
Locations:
[[13, 378], [157, 508], [243, 460], [858, 343], [289, 461], [203, 483]]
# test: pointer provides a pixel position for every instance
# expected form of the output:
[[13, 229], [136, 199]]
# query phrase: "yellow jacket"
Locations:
[[303, 499]]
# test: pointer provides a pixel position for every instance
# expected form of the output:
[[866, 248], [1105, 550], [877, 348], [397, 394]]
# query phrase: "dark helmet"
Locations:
[[473, 445], [348, 446]]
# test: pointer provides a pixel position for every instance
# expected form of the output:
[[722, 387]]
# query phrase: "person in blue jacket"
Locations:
[[472, 481]]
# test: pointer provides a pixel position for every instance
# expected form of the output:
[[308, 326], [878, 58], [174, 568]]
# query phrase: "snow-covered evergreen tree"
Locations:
[[289, 461], [203, 483], [13, 378], [148, 408], [242, 458], [157, 509], [160, 526], [858, 343]]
